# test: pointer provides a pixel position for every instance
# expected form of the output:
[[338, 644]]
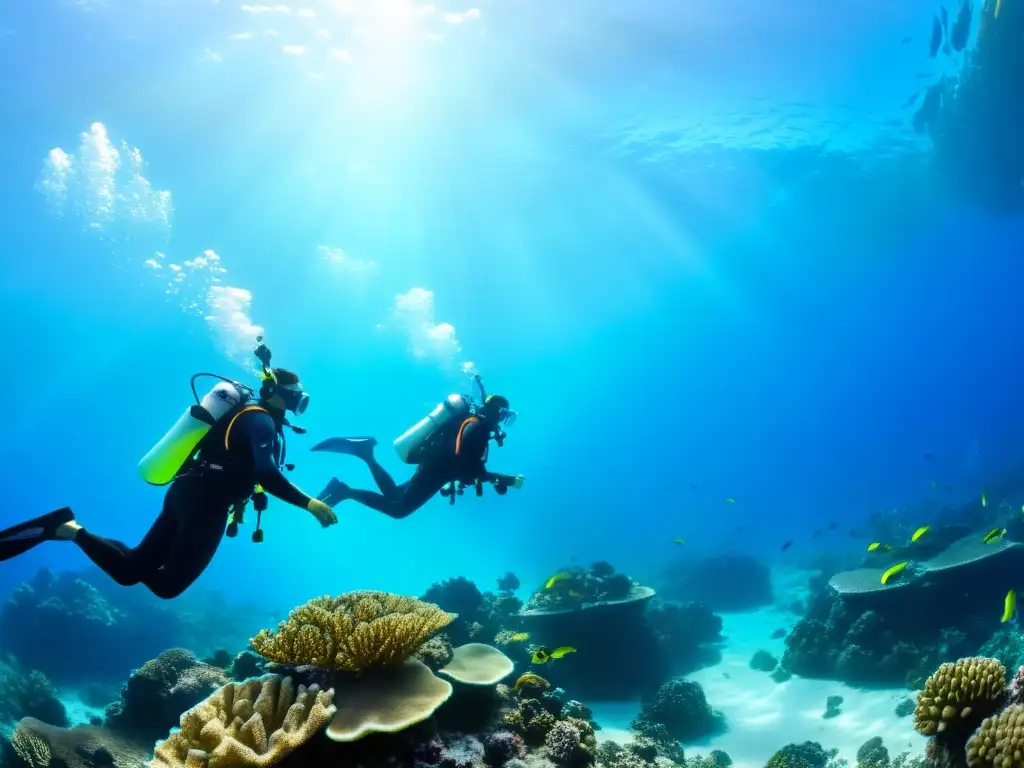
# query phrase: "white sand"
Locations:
[[764, 716]]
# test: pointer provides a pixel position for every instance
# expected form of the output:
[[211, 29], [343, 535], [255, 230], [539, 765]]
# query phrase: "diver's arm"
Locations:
[[261, 434]]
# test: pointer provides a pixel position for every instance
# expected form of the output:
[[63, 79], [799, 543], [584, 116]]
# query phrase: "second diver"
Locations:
[[449, 447]]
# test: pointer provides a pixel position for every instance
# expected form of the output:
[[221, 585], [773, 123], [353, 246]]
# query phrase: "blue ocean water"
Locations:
[[697, 245]]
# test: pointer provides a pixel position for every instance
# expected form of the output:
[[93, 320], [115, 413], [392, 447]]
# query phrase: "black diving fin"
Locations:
[[353, 446], [19, 539]]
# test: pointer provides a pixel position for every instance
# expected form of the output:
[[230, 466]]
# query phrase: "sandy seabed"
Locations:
[[764, 716]]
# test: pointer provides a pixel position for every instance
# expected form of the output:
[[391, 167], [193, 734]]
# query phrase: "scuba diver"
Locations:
[[449, 447], [226, 449]]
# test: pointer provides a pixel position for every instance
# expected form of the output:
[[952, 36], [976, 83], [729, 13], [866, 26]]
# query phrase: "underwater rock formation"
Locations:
[[680, 710], [627, 644], [725, 582], [159, 691], [809, 754], [49, 611], [860, 631]]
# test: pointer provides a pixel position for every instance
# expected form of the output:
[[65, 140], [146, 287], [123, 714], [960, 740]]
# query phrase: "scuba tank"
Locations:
[[416, 442], [165, 459]]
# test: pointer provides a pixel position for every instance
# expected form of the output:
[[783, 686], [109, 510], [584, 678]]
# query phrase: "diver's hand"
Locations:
[[323, 513], [518, 481]]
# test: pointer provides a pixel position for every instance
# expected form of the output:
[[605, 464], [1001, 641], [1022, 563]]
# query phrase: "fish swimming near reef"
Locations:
[[877, 546], [786, 545], [557, 579], [543, 654], [994, 535], [1010, 607], [920, 532], [519, 637], [892, 572]]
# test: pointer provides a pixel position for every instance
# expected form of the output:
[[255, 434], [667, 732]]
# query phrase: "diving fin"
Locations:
[[19, 539], [360, 447], [335, 492]]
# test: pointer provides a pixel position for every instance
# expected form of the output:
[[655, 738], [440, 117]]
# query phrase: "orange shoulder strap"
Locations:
[[247, 409], [458, 437]]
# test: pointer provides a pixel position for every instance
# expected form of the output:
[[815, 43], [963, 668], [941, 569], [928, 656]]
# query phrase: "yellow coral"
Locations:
[[999, 742], [353, 632], [254, 723], [32, 750], [968, 688]]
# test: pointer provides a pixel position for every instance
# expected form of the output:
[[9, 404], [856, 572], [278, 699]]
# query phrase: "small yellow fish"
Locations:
[[678, 541], [575, 595], [874, 545], [984, 500], [542, 654], [730, 500], [519, 637], [1009, 606], [896, 569], [994, 535], [560, 576], [920, 532]]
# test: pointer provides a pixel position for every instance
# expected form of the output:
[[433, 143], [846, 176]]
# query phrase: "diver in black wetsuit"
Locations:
[[459, 456], [238, 453]]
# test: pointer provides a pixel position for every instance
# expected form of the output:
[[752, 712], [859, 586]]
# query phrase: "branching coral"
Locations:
[[353, 632], [959, 693], [254, 723]]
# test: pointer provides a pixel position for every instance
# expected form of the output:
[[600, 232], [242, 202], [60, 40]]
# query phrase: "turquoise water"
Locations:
[[697, 245]]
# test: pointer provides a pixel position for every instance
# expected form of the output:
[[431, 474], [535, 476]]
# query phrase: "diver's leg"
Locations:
[[384, 481], [199, 536], [407, 497], [125, 565]]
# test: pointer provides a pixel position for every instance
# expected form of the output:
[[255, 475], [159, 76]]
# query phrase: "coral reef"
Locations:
[[681, 709], [255, 723], [354, 632], [999, 741], [29, 695], [478, 664], [725, 582], [481, 616], [959, 695], [247, 664], [159, 691], [873, 754], [627, 644], [436, 652], [38, 745], [810, 754]]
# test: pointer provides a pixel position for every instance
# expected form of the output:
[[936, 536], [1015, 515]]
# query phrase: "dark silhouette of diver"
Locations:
[[240, 452], [453, 455]]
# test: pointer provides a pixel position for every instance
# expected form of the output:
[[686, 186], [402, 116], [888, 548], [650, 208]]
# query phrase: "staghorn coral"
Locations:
[[353, 632], [30, 749], [959, 694], [999, 742], [254, 723]]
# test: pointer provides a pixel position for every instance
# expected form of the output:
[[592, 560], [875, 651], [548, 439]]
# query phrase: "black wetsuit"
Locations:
[[461, 460], [186, 534]]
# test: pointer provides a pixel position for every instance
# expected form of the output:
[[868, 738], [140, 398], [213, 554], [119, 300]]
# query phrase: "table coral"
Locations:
[[353, 632]]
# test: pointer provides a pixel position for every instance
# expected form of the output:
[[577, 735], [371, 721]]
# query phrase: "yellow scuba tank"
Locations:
[[415, 441], [165, 459]]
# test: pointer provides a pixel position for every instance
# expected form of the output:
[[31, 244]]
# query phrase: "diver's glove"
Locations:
[[518, 482], [322, 512]]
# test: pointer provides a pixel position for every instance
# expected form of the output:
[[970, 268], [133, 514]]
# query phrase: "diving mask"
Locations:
[[507, 417], [295, 399]]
